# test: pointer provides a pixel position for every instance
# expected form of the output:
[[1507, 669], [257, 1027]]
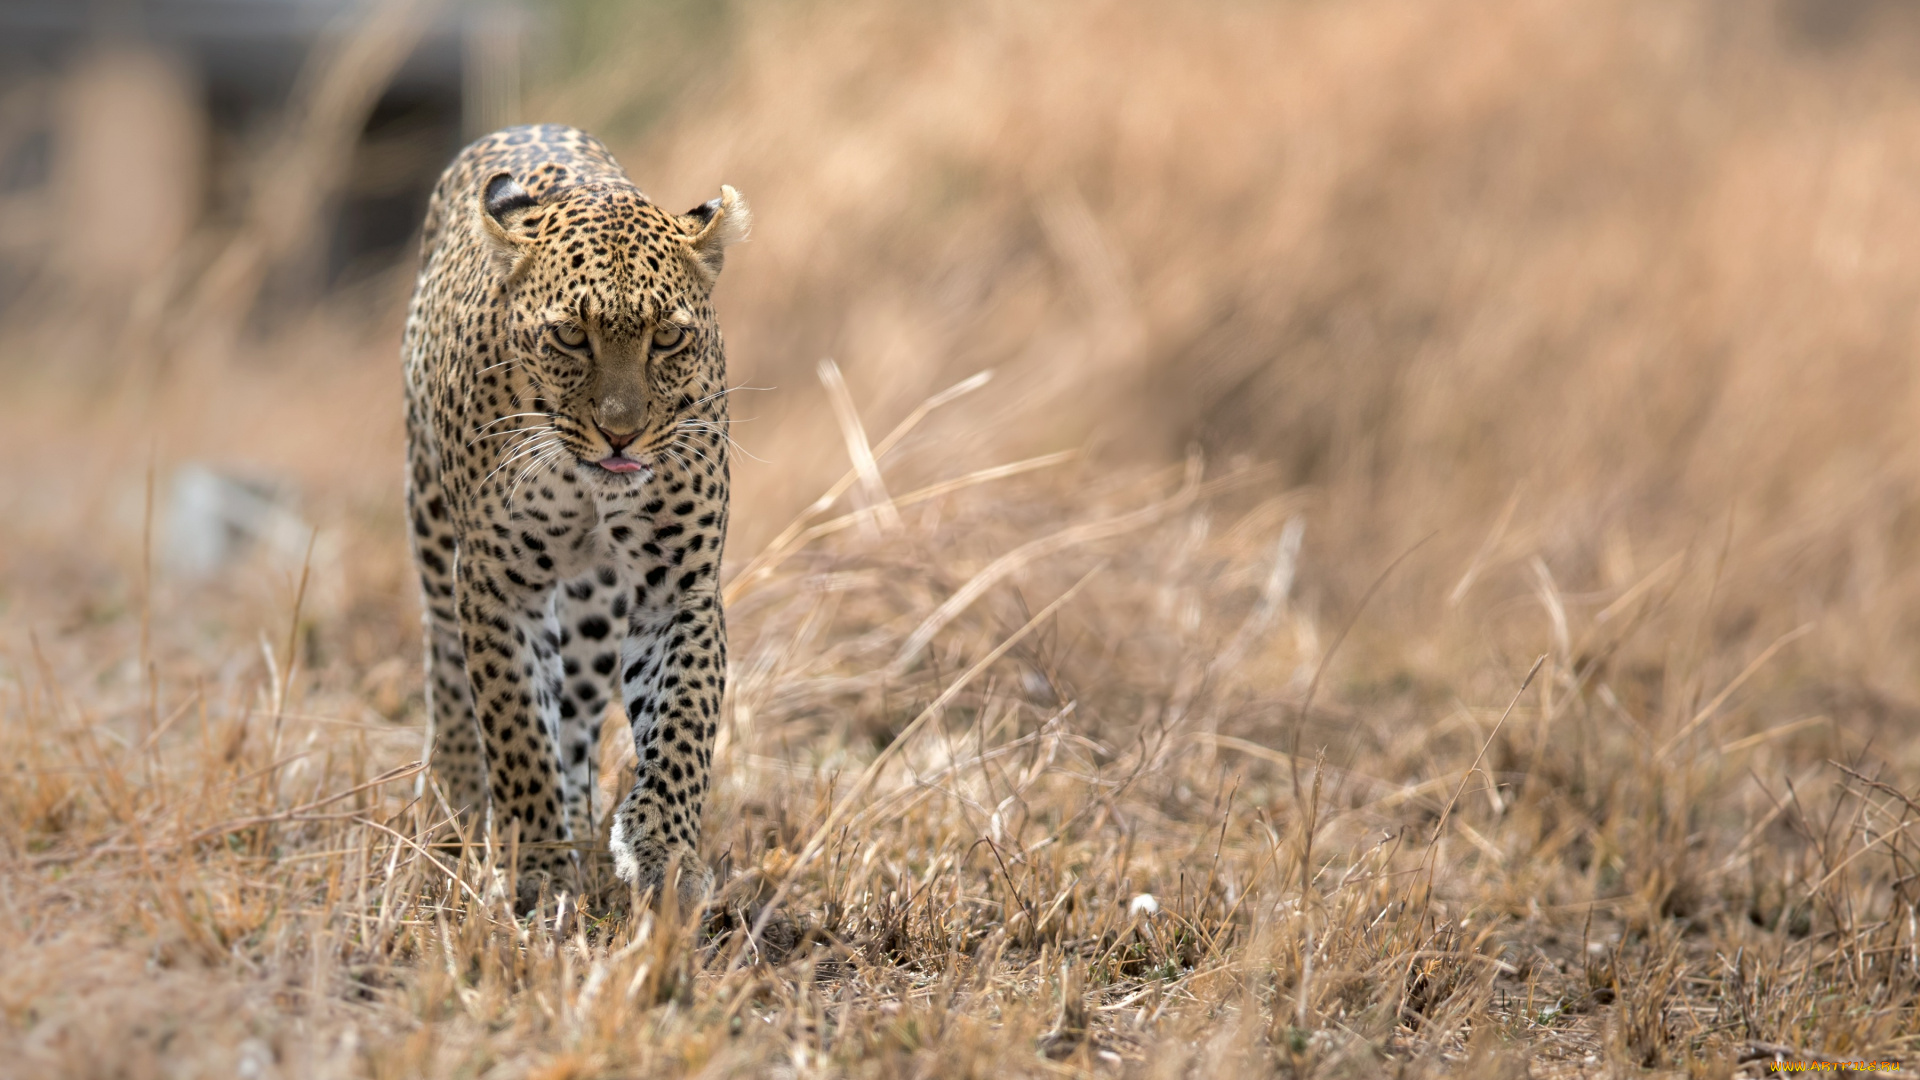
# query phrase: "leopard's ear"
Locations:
[[714, 226], [508, 221]]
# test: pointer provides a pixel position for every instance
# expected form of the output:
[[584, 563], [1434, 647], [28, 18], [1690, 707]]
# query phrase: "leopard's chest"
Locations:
[[560, 530]]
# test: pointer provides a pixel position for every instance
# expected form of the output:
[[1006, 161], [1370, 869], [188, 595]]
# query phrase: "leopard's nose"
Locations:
[[618, 440]]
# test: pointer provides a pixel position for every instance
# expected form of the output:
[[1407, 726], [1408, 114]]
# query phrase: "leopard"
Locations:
[[567, 490]]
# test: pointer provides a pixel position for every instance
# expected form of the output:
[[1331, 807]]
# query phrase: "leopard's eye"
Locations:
[[668, 339], [570, 335]]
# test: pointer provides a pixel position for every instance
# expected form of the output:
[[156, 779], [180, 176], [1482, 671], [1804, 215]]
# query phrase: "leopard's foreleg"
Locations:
[[453, 735], [672, 676], [511, 643], [592, 610]]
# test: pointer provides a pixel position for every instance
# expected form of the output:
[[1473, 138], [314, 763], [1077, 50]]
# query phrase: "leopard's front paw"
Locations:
[[644, 863], [542, 876], [530, 889]]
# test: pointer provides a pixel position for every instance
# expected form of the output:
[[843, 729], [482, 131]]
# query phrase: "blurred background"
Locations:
[[1571, 287]]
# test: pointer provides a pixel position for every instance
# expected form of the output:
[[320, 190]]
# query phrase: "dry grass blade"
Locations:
[[877, 503], [1032, 551], [1706, 711], [783, 544], [899, 742], [1453, 800], [803, 537]]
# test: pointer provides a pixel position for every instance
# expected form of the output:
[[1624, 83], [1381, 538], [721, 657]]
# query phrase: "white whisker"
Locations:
[[682, 443], [724, 393], [532, 446], [731, 441], [511, 416], [545, 460], [498, 434], [528, 437], [707, 425]]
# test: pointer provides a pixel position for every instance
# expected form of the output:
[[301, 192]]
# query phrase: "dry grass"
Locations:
[[1515, 676]]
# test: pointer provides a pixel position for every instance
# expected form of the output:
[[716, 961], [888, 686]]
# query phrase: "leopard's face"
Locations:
[[608, 317]]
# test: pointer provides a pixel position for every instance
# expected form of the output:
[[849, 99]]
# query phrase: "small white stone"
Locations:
[[253, 1060], [1144, 904]]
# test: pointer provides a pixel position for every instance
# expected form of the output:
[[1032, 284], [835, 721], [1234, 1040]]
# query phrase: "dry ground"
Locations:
[[1429, 588]]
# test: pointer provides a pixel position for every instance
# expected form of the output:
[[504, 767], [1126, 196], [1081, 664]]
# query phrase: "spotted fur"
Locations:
[[567, 485]]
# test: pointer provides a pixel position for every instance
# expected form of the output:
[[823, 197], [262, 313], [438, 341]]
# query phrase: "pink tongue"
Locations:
[[619, 463]]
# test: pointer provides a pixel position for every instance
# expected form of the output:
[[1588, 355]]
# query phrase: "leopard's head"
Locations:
[[607, 308]]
